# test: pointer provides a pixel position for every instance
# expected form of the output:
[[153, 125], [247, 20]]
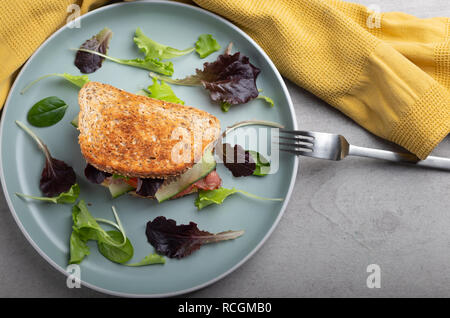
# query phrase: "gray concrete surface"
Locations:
[[342, 217]]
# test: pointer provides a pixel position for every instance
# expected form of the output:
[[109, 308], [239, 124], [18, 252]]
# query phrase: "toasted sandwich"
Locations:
[[143, 146]]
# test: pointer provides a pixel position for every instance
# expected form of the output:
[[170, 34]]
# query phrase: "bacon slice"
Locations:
[[210, 182]]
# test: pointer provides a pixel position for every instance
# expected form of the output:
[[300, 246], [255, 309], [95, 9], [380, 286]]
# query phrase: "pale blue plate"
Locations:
[[48, 226]]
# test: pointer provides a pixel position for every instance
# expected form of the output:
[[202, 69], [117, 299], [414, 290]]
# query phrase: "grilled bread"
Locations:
[[137, 136]]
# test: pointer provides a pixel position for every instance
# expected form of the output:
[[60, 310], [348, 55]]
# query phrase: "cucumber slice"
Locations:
[[74, 122], [197, 172], [119, 188]]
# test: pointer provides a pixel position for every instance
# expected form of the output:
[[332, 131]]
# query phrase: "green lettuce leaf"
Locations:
[[206, 45], [262, 164], [156, 50], [208, 197], [147, 63], [267, 99], [163, 92], [149, 260], [78, 80], [225, 106], [65, 197]]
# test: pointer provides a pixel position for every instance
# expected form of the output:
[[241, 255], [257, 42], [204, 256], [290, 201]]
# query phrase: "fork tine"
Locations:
[[298, 141], [296, 146], [297, 152], [302, 133]]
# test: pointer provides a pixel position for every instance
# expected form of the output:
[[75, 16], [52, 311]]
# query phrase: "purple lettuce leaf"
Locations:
[[94, 175], [237, 160], [56, 177], [231, 79], [177, 241], [88, 62], [147, 187]]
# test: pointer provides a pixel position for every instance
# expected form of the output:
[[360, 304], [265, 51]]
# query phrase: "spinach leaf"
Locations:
[[88, 228], [208, 197], [206, 45], [78, 248], [47, 112], [177, 241], [87, 62], [149, 260], [117, 254], [163, 92], [114, 245], [65, 197], [78, 80], [157, 50], [57, 177]]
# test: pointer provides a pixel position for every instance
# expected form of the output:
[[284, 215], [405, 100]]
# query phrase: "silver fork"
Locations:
[[336, 147]]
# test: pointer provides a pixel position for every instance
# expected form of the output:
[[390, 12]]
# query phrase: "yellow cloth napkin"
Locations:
[[389, 72]]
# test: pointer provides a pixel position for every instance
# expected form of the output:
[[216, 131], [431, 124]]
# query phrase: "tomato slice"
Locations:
[[132, 182]]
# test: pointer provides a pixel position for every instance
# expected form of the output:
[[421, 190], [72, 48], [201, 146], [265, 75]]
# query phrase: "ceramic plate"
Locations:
[[48, 226]]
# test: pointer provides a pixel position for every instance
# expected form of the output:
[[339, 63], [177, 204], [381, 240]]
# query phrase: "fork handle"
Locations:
[[429, 162]]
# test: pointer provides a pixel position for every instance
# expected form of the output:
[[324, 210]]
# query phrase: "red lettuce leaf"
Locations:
[[88, 62], [177, 241], [94, 175], [237, 160], [230, 79], [57, 177], [147, 187]]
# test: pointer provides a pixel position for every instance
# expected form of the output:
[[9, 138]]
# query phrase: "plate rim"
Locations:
[[215, 279]]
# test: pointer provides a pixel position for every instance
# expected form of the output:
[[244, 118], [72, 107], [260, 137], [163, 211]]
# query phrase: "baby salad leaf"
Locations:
[[117, 254], [208, 197], [57, 177], [87, 62], [267, 99], [153, 49], [94, 175], [88, 228], [149, 260], [225, 106], [177, 241], [237, 160], [47, 112], [262, 164], [163, 92], [78, 248], [230, 79], [206, 45], [147, 63], [114, 245], [242, 162], [147, 187], [65, 197], [78, 80]]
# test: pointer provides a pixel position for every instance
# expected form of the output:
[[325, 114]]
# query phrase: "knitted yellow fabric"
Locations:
[[390, 72], [24, 25]]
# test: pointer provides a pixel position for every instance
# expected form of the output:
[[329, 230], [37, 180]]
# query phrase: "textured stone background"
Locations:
[[342, 217]]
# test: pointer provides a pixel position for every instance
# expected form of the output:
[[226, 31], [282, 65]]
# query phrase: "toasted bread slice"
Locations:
[[137, 136]]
